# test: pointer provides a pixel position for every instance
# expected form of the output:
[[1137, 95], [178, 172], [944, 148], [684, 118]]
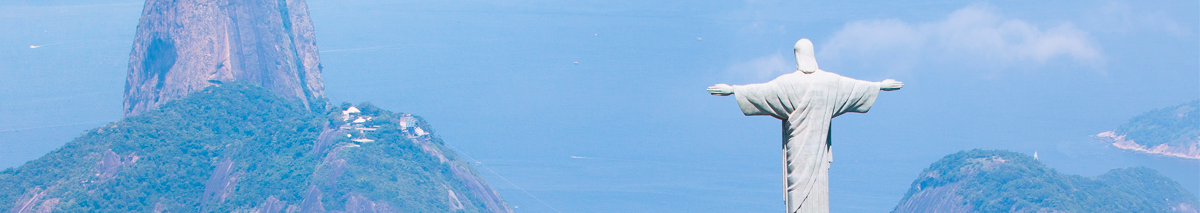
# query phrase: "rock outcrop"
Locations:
[[937, 199], [183, 46], [1190, 150], [1171, 131]]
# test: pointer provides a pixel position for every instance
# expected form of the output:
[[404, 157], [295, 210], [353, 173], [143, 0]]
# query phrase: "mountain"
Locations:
[[1004, 181], [237, 147], [183, 46], [1172, 131]]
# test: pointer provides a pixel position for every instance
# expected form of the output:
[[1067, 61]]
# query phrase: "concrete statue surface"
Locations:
[[805, 101]]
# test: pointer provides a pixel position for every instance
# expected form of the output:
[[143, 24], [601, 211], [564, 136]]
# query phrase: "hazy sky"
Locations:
[[522, 86]]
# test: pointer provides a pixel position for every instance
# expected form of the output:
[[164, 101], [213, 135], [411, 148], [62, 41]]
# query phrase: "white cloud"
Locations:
[[765, 67], [974, 34]]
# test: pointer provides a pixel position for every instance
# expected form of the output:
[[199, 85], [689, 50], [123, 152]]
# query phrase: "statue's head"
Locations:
[[806, 60]]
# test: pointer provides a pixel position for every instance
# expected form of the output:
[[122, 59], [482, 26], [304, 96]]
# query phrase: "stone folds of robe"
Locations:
[[806, 103]]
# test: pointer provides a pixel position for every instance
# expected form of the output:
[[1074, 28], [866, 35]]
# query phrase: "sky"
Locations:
[[599, 106]]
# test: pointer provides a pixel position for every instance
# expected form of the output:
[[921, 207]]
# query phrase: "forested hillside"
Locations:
[[1170, 131], [1004, 181], [238, 147], [1174, 126]]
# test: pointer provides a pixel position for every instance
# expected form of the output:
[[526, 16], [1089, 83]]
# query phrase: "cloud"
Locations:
[[765, 67], [975, 35]]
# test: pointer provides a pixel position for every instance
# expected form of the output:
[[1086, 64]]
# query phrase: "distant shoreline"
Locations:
[[1192, 152]]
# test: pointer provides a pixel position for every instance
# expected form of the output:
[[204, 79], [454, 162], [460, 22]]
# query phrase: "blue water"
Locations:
[[859, 182], [498, 81]]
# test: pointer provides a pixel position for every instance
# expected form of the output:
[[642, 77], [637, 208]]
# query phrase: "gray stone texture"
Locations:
[[183, 46]]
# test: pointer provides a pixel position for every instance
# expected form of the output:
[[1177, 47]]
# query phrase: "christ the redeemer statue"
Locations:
[[806, 100]]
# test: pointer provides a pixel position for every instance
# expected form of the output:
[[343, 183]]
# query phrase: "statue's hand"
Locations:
[[721, 89], [890, 84]]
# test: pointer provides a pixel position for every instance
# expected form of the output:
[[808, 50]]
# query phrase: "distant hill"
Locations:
[[237, 147], [1172, 131], [1004, 181]]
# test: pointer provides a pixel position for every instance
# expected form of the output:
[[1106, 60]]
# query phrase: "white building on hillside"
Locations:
[[346, 113]]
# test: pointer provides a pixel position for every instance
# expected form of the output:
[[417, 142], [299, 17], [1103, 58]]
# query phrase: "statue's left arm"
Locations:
[[858, 95]]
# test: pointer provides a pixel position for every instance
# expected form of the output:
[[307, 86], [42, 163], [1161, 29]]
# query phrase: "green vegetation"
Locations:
[[1004, 181], [1175, 126], [172, 159]]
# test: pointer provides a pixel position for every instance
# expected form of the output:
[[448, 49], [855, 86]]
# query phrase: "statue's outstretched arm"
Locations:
[[721, 89], [889, 85]]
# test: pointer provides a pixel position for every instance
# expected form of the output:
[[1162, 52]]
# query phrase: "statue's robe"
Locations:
[[806, 103]]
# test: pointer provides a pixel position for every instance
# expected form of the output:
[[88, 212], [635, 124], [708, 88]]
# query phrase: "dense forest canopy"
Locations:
[[1175, 126], [239, 147], [1005, 181]]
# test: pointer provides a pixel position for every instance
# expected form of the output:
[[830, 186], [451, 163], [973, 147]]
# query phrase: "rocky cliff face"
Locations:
[[937, 199], [183, 46]]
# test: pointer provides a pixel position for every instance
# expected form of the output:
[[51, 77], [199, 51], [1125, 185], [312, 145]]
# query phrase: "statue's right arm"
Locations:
[[890, 84], [721, 89]]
